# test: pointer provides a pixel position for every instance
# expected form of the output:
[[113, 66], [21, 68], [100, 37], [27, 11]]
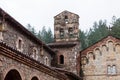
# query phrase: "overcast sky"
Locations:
[[40, 13]]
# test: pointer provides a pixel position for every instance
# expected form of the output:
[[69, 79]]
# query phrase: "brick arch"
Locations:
[[104, 48], [13, 67], [58, 57], [111, 45], [34, 75], [97, 52], [90, 55], [13, 75], [117, 47]]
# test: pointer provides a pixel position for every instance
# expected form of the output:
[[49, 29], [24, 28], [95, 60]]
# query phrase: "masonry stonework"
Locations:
[[102, 60], [66, 44], [25, 57]]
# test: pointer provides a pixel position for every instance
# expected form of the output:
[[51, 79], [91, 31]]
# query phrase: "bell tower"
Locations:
[[66, 44], [66, 27]]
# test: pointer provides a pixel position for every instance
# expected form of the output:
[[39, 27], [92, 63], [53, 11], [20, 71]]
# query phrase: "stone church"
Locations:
[[25, 57], [101, 60]]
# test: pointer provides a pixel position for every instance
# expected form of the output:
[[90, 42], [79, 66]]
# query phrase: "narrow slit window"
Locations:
[[19, 44], [61, 59]]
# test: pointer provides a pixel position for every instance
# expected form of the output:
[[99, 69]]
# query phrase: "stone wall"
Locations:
[[102, 60], [11, 36], [66, 21], [26, 72], [70, 58]]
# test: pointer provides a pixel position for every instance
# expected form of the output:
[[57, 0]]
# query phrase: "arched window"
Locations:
[[46, 61], [35, 53], [19, 43], [111, 70], [114, 71], [61, 59]]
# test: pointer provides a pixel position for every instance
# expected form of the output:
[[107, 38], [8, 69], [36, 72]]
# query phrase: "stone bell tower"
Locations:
[[66, 44], [66, 26]]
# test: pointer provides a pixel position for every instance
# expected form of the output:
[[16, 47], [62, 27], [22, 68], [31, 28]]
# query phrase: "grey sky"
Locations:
[[40, 13]]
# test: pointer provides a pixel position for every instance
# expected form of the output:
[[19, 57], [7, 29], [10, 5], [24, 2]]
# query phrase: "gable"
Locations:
[[105, 43], [65, 13]]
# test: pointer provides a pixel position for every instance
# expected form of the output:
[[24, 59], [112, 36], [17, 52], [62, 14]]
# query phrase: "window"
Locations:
[[61, 59], [61, 33], [70, 30], [35, 53], [19, 44], [114, 69], [66, 19], [46, 61], [111, 70]]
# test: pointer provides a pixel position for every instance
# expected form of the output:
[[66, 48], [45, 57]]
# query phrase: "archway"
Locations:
[[13, 75], [34, 78]]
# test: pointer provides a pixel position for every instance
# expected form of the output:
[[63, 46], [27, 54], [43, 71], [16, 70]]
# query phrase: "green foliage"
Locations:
[[31, 29], [97, 32], [44, 35], [116, 28], [83, 39]]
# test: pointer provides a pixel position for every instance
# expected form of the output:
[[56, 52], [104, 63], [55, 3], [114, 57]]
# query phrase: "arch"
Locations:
[[46, 61], [117, 48], [34, 53], [110, 46], [34, 78], [61, 59], [98, 52], [12, 67], [91, 56], [104, 48], [13, 75]]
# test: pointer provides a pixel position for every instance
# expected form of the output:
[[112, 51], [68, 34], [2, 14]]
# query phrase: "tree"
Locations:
[[49, 36], [98, 31], [83, 39], [45, 36], [31, 29], [116, 28]]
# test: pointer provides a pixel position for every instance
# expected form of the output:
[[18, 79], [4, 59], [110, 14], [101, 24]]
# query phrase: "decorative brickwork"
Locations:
[[102, 60]]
